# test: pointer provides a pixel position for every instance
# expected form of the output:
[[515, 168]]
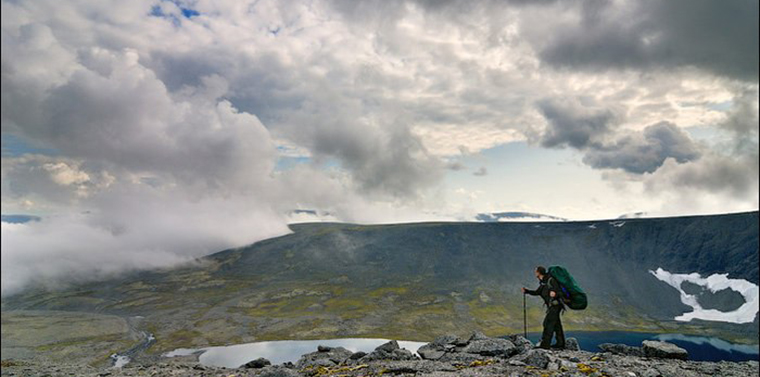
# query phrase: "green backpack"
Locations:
[[573, 295]]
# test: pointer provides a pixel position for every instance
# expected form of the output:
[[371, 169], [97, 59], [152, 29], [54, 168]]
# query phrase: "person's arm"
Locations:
[[533, 292], [554, 288]]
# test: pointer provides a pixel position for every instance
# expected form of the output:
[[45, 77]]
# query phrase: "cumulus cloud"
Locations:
[[732, 169], [573, 124], [646, 151], [158, 133], [718, 37], [595, 132]]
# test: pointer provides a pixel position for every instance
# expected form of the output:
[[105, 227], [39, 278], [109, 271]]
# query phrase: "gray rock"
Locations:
[[621, 349], [326, 358], [651, 372], [522, 343], [419, 367], [567, 364], [536, 357], [448, 339], [461, 357], [402, 354], [431, 351], [477, 335], [553, 365], [278, 371], [491, 347], [388, 347], [389, 351], [357, 355], [258, 363], [572, 344], [663, 350]]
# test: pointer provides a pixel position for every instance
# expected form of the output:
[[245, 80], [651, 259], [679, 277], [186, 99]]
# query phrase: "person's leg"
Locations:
[[560, 333], [552, 317], [546, 336]]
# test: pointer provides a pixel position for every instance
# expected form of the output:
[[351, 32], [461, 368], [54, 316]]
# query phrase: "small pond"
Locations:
[[281, 351]]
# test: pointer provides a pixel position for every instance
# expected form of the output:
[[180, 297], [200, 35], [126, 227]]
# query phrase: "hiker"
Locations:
[[550, 290]]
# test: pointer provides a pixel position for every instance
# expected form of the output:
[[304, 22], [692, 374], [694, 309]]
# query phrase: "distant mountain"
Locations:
[[515, 216], [634, 215], [310, 215], [18, 219], [415, 281]]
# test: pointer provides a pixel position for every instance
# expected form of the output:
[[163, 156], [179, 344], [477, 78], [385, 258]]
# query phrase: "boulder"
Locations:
[[357, 355], [491, 347], [621, 349], [521, 343], [477, 335], [389, 351], [258, 363], [571, 344], [536, 357], [388, 347], [449, 339], [663, 350], [324, 356], [431, 351]]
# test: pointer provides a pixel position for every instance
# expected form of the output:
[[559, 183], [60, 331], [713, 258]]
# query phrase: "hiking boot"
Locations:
[[558, 346], [543, 346]]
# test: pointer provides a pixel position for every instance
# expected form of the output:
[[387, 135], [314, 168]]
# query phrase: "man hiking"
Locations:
[[550, 290]]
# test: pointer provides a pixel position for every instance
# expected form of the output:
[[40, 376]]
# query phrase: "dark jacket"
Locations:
[[546, 285]]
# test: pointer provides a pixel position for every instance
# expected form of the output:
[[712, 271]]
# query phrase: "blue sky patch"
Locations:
[[14, 146]]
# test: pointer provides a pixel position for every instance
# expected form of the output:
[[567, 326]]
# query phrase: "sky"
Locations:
[[147, 133]]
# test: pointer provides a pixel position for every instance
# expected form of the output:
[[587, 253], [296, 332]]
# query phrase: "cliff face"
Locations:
[[412, 281]]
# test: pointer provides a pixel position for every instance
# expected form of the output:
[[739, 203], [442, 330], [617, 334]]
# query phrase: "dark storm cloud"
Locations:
[[644, 152], [591, 130], [571, 124], [717, 36]]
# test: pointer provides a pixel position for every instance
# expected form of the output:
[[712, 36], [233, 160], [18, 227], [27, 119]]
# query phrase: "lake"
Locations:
[[700, 348]]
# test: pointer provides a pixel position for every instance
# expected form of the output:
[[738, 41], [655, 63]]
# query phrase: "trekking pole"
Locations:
[[525, 318]]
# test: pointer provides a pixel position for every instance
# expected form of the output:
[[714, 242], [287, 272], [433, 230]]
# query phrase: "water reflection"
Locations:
[[281, 351]]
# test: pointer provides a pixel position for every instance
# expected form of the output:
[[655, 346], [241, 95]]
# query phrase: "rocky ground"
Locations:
[[447, 355]]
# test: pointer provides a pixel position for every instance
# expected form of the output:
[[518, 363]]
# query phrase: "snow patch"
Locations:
[[617, 224], [120, 360], [716, 282]]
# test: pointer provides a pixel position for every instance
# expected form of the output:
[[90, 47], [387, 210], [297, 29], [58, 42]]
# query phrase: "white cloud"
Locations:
[[189, 116]]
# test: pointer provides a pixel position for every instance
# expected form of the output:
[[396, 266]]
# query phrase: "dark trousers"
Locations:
[[552, 326]]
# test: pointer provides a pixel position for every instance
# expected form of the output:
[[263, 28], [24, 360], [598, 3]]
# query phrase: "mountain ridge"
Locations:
[[412, 281]]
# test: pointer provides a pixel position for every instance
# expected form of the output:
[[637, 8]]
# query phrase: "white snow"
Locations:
[[592, 226], [617, 224], [716, 282], [120, 360], [183, 352]]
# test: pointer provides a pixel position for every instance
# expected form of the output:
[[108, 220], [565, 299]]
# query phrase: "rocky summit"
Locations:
[[447, 355]]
